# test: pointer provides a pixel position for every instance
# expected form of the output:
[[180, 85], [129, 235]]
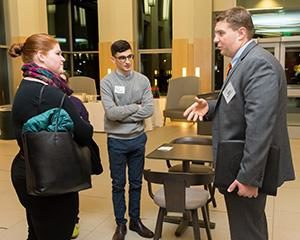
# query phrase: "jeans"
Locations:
[[130, 152]]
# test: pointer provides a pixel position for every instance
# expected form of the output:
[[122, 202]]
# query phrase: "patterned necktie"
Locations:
[[228, 69]]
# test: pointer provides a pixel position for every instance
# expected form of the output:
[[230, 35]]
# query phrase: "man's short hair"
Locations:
[[237, 17], [119, 46]]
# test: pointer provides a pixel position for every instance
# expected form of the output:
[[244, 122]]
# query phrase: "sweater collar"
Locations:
[[123, 76]]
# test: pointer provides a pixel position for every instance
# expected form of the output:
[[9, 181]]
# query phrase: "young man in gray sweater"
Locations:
[[127, 100]]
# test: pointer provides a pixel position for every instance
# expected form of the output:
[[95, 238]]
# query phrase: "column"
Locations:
[[115, 22]]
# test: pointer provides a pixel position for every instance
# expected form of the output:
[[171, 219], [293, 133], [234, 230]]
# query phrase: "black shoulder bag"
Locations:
[[55, 163]]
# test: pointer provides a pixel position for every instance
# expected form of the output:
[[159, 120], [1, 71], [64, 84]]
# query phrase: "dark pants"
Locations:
[[130, 152], [247, 218], [48, 218]]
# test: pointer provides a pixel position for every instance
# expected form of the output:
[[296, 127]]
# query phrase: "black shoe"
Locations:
[[139, 227], [120, 232]]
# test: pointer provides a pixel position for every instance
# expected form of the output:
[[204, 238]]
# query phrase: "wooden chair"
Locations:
[[181, 94], [196, 166], [205, 127], [177, 195], [82, 84]]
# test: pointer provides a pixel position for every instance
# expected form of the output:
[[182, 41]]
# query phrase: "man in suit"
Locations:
[[250, 107]]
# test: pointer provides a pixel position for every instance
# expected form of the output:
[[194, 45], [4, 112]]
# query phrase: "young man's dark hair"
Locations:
[[119, 46]]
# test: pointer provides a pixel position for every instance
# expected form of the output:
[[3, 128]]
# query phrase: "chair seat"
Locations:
[[195, 198], [174, 113], [194, 168]]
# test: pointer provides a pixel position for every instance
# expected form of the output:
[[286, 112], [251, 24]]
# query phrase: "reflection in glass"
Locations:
[[84, 64], [85, 25], [58, 22], [155, 24], [292, 65], [219, 70], [74, 23], [2, 25], [4, 81], [293, 111], [276, 23], [157, 67], [4, 86], [270, 50]]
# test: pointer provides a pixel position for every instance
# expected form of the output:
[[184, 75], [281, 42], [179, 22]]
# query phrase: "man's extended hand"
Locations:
[[197, 110]]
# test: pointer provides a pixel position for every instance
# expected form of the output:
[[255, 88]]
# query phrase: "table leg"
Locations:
[[185, 166]]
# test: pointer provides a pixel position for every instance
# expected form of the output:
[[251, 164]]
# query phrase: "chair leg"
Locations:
[[207, 210], [196, 226], [206, 222], [212, 189], [165, 121], [159, 223]]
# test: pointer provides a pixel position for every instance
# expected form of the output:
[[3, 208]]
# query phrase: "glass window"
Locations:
[[293, 110], [2, 24], [4, 79], [74, 23], [155, 41], [276, 23], [155, 24], [218, 70], [157, 67], [292, 65], [85, 64], [56, 11], [84, 17]]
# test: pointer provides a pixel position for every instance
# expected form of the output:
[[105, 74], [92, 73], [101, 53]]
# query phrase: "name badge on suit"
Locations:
[[228, 92]]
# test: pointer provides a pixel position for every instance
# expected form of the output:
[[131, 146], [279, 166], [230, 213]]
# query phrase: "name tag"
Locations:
[[228, 92], [120, 89]]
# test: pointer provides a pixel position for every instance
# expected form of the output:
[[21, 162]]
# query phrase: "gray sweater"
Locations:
[[127, 101]]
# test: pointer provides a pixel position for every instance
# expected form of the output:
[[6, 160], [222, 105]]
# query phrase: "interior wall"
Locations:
[[221, 5], [287, 4], [24, 19], [115, 22], [192, 40], [203, 39]]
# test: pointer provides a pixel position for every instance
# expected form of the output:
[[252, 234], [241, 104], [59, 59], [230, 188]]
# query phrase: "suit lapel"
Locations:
[[244, 54]]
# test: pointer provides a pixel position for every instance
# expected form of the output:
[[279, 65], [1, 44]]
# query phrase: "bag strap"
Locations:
[[62, 101], [60, 105], [40, 97], [41, 94]]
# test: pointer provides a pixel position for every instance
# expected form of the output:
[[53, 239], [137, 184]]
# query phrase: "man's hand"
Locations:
[[243, 189], [197, 110]]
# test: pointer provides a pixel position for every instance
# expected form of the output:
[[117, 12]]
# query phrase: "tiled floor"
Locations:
[[96, 216]]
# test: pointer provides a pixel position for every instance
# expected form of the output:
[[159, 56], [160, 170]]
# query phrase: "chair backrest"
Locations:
[[205, 127], [82, 84], [193, 140], [179, 87], [175, 185]]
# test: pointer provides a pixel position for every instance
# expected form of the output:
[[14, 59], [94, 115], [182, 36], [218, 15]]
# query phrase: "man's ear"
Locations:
[[242, 33], [113, 59]]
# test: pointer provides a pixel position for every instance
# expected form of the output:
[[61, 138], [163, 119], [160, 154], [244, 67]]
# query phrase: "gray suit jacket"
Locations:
[[255, 114]]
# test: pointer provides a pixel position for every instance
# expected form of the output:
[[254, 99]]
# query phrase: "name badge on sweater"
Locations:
[[228, 92], [120, 89]]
